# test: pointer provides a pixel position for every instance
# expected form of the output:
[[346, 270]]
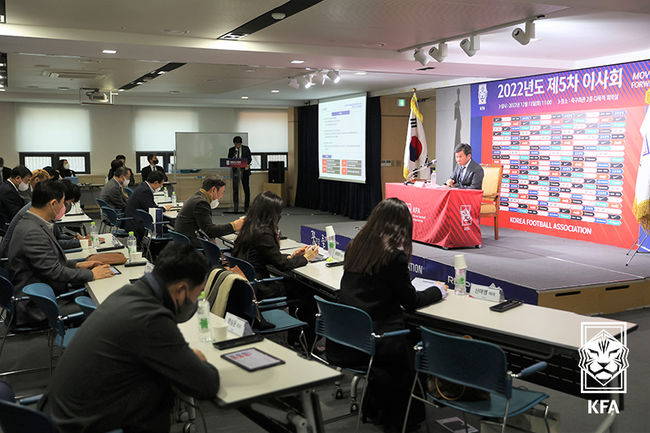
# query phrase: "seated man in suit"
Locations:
[[467, 174], [197, 213], [142, 198], [113, 192], [66, 240], [10, 199], [152, 167], [36, 257], [128, 357]]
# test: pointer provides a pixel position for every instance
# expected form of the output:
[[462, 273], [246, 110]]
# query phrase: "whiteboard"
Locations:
[[203, 150]]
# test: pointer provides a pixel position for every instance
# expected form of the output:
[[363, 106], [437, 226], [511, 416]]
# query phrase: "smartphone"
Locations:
[[506, 305], [114, 270]]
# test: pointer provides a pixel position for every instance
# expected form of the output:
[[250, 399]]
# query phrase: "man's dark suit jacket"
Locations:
[[142, 198], [146, 170], [245, 153], [113, 194], [10, 201], [472, 179], [196, 214]]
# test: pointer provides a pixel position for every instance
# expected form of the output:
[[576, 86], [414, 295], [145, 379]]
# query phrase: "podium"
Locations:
[[237, 166]]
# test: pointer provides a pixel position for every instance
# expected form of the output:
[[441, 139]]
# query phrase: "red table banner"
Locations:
[[446, 217]]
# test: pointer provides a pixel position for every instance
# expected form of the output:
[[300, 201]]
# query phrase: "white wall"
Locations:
[[106, 131], [446, 126]]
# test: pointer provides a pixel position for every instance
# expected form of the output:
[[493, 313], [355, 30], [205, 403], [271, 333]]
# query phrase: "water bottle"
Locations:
[[460, 269], [94, 235], [432, 179], [131, 246], [174, 198], [204, 318], [331, 241], [165, 192]]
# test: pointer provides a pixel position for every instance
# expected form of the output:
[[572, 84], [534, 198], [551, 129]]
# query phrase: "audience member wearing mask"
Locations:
[[67, 241], [64, 169], [37, 176], [142, 198], [113, 192], [35, 256], [54, 175], [197, 213], [10, 199], [127, 361], [152, 167]]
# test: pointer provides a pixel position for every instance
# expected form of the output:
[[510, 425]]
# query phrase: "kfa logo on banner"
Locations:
[[466, 215], [482, 94], [603, 363]]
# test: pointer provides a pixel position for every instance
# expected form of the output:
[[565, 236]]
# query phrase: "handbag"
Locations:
[[108, 258]]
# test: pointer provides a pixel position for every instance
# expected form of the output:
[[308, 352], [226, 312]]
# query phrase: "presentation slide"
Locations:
[[570, 145], [342, 139]]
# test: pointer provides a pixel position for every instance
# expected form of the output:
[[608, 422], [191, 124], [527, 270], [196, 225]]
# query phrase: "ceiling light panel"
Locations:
[[269, 18]]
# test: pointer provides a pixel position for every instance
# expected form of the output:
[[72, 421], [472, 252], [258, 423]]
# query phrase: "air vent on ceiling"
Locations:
[[79, 75]]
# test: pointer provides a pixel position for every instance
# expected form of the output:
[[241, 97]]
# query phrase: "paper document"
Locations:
[[422, 284]]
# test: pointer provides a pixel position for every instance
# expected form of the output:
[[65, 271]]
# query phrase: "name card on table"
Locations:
[[237, 325], [487, 293]]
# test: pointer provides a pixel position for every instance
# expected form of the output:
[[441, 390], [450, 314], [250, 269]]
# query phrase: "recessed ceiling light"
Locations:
[[233, 36], [63, 88], [275, 91], [278, 15], [162, 72], [109, 51], [174, 91], [360, 73], [120, 90], [297, 62], [244, 97], [139, 82]]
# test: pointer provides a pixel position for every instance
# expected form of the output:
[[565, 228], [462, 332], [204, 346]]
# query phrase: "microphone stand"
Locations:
[[409, 179]]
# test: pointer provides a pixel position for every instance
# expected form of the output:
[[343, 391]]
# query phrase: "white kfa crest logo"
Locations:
[[482, 94], [466, 215], [603, 357]]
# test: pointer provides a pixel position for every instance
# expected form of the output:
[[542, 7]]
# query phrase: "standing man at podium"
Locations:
[[239, 151]]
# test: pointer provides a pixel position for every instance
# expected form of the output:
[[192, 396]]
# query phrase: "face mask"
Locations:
[[214, 203], [154, 161], [23, 186], [66, 166], [60, 213], [68, 206], [157, 189], [186, 310], [126, 182]]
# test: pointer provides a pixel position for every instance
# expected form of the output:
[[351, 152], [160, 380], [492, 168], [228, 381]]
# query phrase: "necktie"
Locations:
[[461, 175], [237, 153]]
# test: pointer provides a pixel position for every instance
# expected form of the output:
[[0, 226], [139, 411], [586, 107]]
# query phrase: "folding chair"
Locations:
[[476, 364], [86, 304], [146, 220], [179, 237], [44, 297], [212, 252], [351, 327], [113, 220]]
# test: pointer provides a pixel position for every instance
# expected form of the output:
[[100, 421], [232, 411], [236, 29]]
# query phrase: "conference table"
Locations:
[[77, 218], [527, 334], [442, 216], [240, 389]]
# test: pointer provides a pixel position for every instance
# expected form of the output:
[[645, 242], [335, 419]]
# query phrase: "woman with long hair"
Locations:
[[64, 169], [258, 243], [376, 279]]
